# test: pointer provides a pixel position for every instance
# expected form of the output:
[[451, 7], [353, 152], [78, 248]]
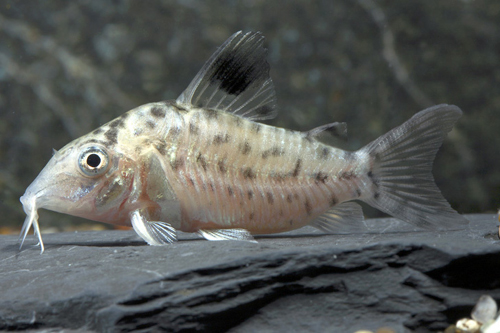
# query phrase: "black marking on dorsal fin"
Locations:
[[338, 130], [235, 79]]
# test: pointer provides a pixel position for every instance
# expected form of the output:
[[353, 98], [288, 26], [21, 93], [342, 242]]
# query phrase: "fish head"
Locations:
[[86, 178]]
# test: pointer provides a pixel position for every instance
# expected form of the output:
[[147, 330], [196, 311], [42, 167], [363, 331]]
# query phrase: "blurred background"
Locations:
[[66, 67]]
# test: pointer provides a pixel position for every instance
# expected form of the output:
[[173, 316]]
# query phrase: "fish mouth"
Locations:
[[30, 208]]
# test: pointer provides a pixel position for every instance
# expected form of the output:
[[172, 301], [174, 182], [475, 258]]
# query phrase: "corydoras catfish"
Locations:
[[203, 164]]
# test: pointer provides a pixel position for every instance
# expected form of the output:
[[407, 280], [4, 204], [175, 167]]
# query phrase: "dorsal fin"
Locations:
[[235, 79]]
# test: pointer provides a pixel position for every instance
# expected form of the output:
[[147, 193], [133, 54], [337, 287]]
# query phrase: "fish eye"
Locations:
[[93, 161]]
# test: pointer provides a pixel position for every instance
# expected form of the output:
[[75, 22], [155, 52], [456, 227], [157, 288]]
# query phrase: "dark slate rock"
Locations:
[[405, 279]]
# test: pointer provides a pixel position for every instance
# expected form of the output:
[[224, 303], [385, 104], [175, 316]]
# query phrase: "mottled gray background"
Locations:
[[67, 67]]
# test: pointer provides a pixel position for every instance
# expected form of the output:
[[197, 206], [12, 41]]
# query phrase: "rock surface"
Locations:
[[406, 279]]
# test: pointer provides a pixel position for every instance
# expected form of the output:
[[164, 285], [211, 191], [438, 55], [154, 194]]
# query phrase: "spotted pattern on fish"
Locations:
[[267, 182], [238, 121], [249, 173], [211, 114], [333, 200], [112, 136], [117, 123], [321, 177], [274, 151], [158, 112], [347, 175], [221, 138], [193, 129], [256, 128], [200, 159], [270, 198], [325, 153], [308, 207], [222, 165], [176, 164], [296, 169], [246, 148]]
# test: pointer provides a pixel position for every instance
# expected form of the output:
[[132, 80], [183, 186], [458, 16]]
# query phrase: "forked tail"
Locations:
[[400, 180]]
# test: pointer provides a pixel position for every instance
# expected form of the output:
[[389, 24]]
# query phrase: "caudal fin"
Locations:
[[400, 170]]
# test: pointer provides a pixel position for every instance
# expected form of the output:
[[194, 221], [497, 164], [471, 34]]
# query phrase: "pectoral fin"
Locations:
[[227, 234], [153, 232]]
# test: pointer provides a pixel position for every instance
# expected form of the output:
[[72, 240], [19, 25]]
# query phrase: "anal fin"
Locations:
[[227, 234], [344, 218], [153, 232]]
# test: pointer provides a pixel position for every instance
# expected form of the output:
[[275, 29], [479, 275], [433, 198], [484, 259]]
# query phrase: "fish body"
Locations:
[[203, 164]]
